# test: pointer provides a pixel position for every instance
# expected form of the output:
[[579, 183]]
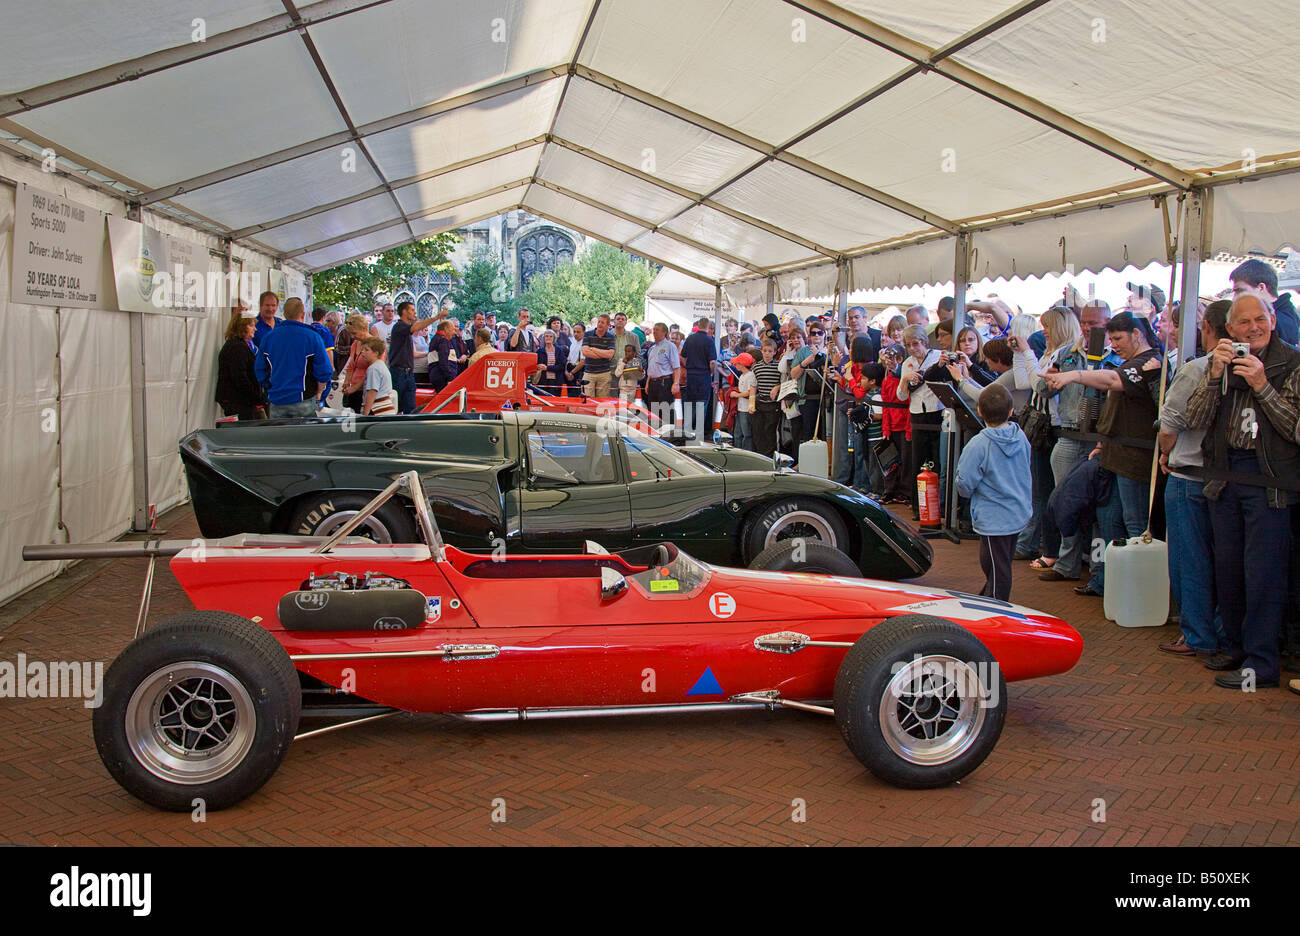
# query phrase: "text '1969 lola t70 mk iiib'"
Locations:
[[206, 705]]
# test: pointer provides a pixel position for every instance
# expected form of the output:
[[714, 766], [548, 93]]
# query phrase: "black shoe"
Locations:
[[1087, 589], [1234, 679], [1224, 661]]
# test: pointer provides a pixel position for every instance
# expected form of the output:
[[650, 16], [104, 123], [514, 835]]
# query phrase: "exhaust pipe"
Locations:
[[540, 714]]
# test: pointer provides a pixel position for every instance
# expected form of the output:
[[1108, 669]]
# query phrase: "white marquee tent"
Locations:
[[773, 147]]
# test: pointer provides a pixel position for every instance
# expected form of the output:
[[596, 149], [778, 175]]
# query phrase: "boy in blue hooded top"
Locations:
[[994, 473]]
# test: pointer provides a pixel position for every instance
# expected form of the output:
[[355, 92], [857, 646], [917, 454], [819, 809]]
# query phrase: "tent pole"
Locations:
[[1195, 236], [839, 423], [771, 294], [139, 412], [717, 321], [960, 281]]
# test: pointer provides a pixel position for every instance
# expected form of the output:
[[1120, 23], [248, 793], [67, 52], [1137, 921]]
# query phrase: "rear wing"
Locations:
[[490, 383]]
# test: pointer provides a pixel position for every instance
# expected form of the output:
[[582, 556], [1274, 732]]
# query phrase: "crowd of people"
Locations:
[[1119, 435]]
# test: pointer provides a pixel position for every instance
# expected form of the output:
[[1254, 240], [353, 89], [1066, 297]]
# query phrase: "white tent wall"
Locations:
[[65, 398], [29, 458], [1257, 215]]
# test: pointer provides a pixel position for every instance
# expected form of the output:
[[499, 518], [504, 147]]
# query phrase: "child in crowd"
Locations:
[[994, 473], [629, 371], [767, 410], [746, 390], [896, 426], [378, 390]]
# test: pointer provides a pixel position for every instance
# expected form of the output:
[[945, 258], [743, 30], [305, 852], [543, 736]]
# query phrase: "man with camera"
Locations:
[[1249, 401]]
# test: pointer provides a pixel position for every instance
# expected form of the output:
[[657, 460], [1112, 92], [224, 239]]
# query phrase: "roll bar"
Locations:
[[415, 490], [155, 549]]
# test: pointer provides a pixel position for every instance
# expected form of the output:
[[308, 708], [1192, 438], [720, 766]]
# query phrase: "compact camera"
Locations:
[[951, 357], [1240, 349]]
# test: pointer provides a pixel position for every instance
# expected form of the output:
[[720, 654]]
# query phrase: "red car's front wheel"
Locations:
[[920, 701]]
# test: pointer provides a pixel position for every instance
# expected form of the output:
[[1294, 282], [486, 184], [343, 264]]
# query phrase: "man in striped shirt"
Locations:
[[1249, 401]]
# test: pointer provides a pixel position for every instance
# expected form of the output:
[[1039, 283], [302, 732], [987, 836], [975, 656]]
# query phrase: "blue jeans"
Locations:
[[1251, 541], [1191, 562], [1065, 455], [697, 405], [291, 410], [404, 388], [744, 437], [850, 466], [1124, 515], [1033, 538]]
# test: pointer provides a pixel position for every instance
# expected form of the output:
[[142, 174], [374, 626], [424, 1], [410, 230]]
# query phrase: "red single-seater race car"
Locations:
[[206, 705]]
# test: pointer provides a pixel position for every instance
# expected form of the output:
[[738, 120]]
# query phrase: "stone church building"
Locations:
[[527, 244]]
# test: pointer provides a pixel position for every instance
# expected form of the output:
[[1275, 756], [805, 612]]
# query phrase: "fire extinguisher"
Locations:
[[927, 495]]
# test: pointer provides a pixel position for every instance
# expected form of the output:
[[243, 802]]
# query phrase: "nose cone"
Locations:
[[1044, 646]]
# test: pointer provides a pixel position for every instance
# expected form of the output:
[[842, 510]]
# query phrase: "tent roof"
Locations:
[[729, 140]]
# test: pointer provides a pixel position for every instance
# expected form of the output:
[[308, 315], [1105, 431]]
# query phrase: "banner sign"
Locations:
[[58, 251], [295, 284], [155, 272]]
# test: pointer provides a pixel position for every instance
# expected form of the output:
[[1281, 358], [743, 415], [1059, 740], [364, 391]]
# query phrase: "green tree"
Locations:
[[483, 287], [354, 285], [604, 280]]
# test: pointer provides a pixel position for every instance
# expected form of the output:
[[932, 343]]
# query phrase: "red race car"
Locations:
[[205, 705], [500, 381]]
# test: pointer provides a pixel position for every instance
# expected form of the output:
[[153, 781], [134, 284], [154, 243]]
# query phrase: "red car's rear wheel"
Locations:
[[200, 709]]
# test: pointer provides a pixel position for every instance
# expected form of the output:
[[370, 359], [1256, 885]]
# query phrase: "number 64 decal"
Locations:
[[500, 375]]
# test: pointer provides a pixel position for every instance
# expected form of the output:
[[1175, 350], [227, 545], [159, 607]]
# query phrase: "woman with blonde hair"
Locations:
[[353, 382], [1061, 559]]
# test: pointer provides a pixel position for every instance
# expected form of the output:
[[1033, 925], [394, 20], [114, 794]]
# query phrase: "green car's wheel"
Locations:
[[794, 518], [325, 514]]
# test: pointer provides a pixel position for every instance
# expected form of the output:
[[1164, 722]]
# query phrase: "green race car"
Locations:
[[524, 481]]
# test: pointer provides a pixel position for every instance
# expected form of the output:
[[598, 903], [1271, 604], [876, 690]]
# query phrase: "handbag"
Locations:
[[1036, 423]]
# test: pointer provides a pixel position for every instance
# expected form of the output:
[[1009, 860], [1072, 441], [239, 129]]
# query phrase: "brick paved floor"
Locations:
[[1176, 760]]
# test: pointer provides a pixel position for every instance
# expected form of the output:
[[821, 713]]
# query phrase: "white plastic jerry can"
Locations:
[[814, 458], [1137, 583]]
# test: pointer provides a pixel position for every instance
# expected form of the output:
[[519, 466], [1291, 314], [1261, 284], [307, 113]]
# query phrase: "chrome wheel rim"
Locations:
[[800, 523], [190, 723], [372, 527], [932, 709]]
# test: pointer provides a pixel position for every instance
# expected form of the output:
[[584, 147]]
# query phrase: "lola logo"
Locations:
[[146, 270], [76, 889]]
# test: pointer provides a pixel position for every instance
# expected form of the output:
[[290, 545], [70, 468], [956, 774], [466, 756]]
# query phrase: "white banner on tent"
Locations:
[[58, 251], [155, 272], [295, 284]]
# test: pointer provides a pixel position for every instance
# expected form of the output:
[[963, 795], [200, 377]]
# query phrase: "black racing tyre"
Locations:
[[324, 513], [805, 556], [202, 707], [793, 517], [920, 701]]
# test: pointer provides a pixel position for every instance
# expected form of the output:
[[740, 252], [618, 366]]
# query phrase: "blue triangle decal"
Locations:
[[707, 684]]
